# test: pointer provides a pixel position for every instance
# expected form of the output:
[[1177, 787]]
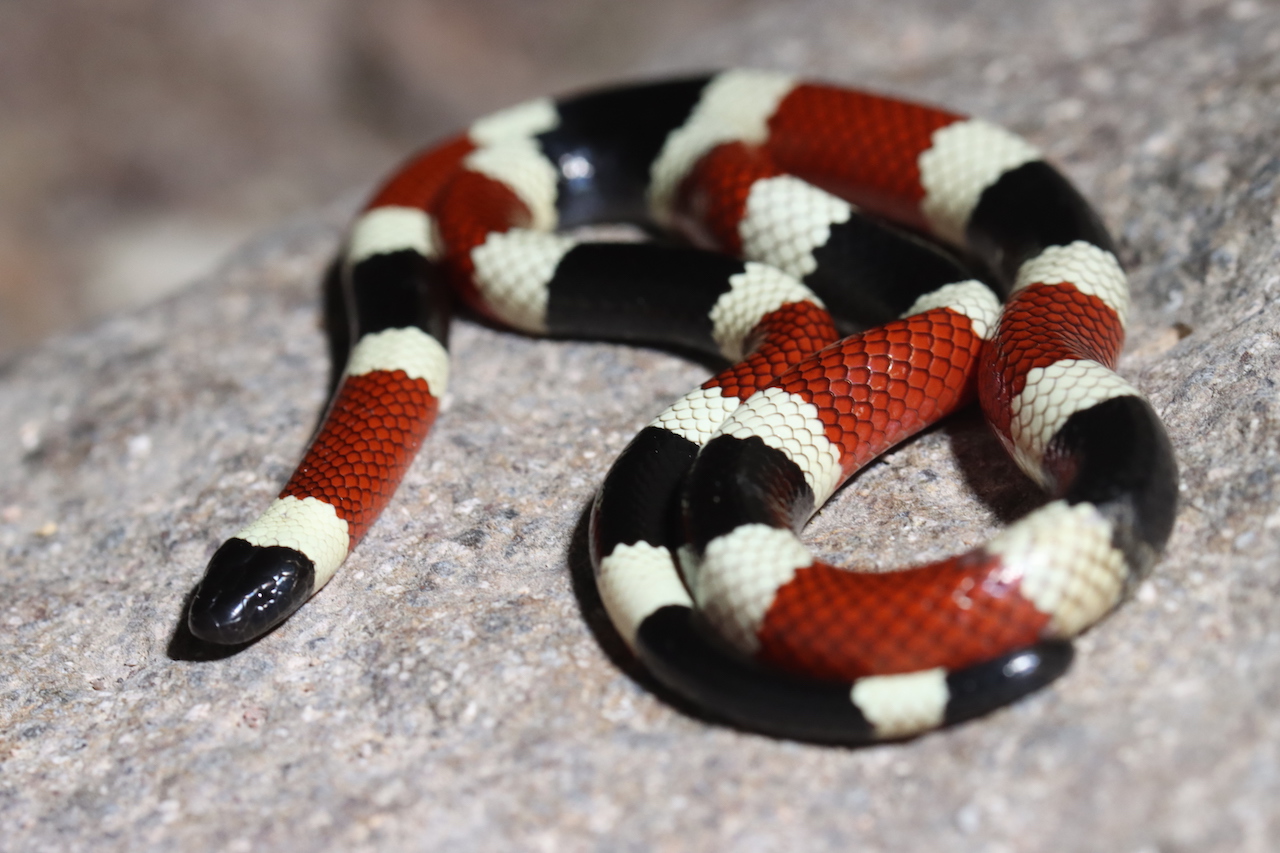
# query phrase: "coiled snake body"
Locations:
[[693, 533]]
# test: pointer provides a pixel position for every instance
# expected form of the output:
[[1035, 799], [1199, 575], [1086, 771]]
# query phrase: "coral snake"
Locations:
[[780, 191]]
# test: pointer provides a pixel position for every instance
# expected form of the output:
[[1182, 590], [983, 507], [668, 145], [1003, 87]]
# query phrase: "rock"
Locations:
[[456, 687]]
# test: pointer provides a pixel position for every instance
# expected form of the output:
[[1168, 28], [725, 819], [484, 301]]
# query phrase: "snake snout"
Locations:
[[247, 590]]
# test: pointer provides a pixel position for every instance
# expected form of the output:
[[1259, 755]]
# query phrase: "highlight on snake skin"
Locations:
[[1016, 299]]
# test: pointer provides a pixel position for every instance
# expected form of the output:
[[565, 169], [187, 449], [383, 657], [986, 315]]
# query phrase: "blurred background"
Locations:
[[141, 140]]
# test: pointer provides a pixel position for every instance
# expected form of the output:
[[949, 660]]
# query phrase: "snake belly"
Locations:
[[800, 210]]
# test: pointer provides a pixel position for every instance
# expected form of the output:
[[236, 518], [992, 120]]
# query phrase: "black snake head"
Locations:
[[248, 590]]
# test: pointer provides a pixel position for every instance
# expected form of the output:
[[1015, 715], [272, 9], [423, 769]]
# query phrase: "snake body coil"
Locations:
[[694, 530]]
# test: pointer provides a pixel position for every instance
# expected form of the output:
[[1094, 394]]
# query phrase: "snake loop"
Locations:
[[784, 187]]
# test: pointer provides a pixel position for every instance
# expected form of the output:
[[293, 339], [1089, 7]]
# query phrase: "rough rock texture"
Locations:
[[455, 688]]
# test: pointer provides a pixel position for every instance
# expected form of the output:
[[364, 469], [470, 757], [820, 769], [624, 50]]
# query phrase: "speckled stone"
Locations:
[[455, 687]]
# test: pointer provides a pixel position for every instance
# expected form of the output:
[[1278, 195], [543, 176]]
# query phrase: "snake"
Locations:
[[860, 267]]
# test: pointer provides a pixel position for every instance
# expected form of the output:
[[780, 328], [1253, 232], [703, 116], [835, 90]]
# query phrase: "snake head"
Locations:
[[247, 590]]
